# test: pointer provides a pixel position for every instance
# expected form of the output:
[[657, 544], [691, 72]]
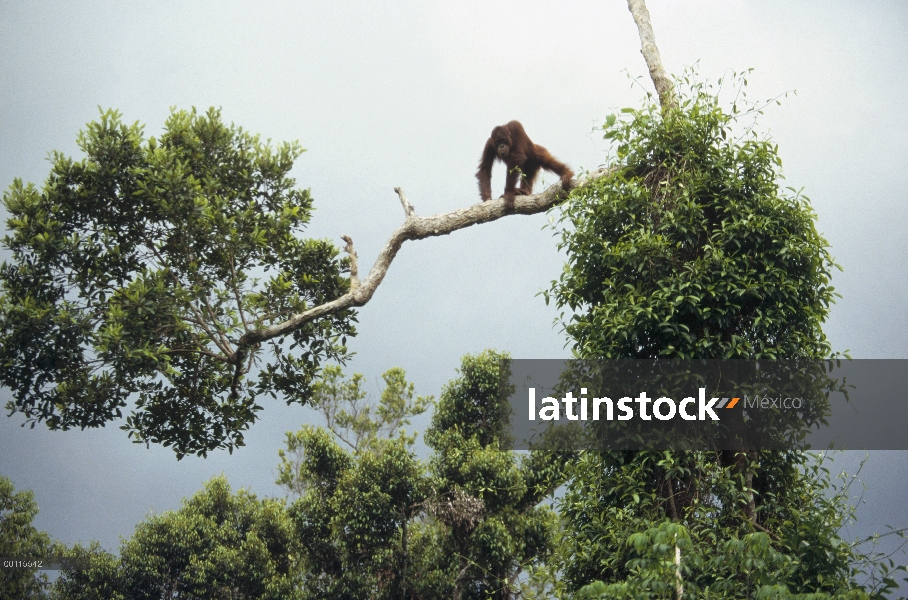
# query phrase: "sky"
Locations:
[[405, 94]]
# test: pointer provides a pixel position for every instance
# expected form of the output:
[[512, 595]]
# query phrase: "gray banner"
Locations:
[[707, 404]]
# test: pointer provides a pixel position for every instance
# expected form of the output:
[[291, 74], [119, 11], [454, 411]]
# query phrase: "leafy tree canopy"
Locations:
[[621, 530], [691, 249], [219, 544], [380, 523], [136, 272], [492, 519], [19, 539]]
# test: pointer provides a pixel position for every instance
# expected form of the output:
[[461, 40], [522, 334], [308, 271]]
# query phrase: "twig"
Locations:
[[408, 208], [354, 267]]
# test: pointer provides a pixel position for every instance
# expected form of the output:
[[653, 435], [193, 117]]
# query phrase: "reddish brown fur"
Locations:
[[511, 145]]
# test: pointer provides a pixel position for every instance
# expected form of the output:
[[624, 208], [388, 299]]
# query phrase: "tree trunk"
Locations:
[[679, 583], [403, 569], [661, 80]]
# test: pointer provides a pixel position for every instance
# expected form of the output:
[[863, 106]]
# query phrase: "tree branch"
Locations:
[[413, 228], [663, 83], [408, 208], [671, 500], [759, 527], [354, 266]]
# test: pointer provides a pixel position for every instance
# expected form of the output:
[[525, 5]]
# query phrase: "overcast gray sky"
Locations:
[[395, 93]]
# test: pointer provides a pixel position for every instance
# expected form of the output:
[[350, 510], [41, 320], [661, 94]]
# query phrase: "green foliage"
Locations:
[[353, 517], [491, 504], [19, 539], [217, 545], [379, 523], [136, 271], [619, 528], [656, 572], [103, 580], [691, 249], [354, 507], [360, 425]]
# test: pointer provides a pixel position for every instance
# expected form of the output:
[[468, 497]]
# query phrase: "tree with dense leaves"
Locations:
[[137, 271], [376, 522], [368, 521], [692, 250], [218, 545], [20, 540], [353, 505], [492, 518]]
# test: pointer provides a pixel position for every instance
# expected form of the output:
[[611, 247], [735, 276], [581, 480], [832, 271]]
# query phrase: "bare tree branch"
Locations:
[[413, 228], [663, 83], [354, 266], [408, 208]]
